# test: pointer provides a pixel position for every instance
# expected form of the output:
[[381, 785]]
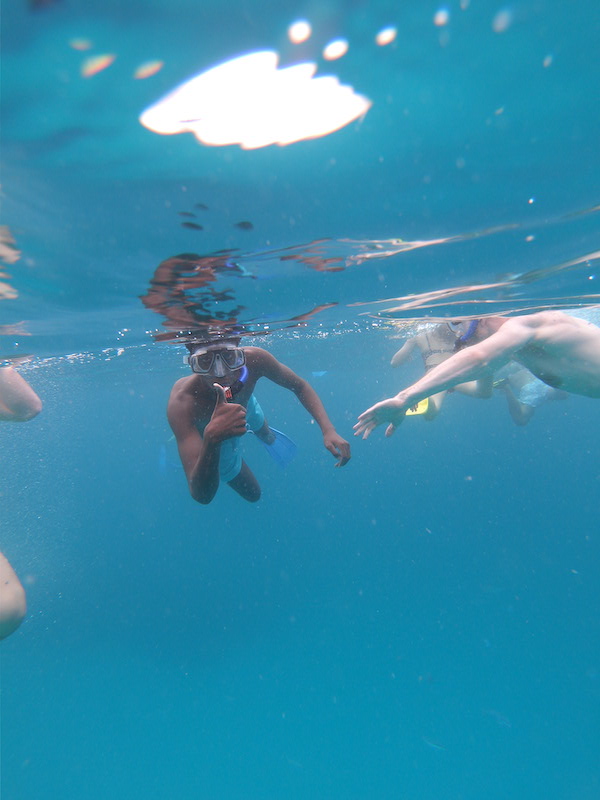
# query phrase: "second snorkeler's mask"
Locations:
[[217, 360], [462, 340]]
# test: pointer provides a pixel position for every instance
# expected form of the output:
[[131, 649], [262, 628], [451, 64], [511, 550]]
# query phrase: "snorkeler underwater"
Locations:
[[239, 245]]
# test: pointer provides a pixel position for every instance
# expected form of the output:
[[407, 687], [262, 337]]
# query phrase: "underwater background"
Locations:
[[420, 624]]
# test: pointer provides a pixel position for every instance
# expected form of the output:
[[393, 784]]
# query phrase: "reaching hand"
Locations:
[[338, 447], [227, 420], [391, 411]]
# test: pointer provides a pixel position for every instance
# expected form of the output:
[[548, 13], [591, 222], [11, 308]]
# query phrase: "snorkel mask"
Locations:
[[461, 341], [216, 359]]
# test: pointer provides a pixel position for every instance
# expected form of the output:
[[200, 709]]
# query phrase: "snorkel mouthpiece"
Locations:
[[462, 340], [231, 391]]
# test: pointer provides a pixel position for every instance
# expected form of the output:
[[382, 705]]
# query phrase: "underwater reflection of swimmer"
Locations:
[[18, 403], [183, 291], [436, 344]]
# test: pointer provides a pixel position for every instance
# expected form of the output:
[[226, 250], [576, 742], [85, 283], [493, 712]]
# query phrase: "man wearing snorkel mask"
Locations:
[[209, 410], [561, 350]]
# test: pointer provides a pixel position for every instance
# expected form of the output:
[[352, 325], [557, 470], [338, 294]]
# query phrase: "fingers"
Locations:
[[364, 429], [221, 397], [390, 430], [333, 450], [366, 419], [342, 454], [360, 426]]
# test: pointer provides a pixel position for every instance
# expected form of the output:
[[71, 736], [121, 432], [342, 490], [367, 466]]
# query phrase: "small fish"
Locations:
[[192, 225], [186, 214], [201, 206], [244, 225]]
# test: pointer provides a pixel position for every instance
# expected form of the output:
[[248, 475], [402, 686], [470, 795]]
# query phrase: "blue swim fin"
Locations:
[[282, 450]]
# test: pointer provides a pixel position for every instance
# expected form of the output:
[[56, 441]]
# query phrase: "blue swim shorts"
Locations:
[[230, 461]]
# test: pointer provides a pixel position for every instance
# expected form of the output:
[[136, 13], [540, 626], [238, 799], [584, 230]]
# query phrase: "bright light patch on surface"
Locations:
[[80, 44], [386, 36], [250, 102], [94, 65], [502, 20], [299, 31], [147, 69], [441, 17], [335, 49]]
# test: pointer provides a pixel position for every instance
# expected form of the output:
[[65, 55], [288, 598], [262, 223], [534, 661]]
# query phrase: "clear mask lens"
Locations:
[[233, 359], [216, 362]]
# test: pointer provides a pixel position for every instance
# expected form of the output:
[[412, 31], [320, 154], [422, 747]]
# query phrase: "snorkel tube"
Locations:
[[462, 340], [235, 388]]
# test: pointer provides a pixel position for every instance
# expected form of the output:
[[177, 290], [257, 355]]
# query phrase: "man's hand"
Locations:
[[227, 420], [338, 447], [391, 411]]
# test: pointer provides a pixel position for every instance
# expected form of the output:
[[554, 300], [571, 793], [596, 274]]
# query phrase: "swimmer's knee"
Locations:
[[254, 495], [251, 493]]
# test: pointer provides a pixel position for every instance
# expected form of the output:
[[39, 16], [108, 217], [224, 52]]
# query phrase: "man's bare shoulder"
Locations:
[[188, 397], [548, 324], [260, 362], [258, 356], [263, 364], [182, 388]]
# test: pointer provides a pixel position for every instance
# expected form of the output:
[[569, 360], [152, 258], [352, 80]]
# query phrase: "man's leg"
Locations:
[[245, 484], [482, 388], [520, 412], [434, 406]]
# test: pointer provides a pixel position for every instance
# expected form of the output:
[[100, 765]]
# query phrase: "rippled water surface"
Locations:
[[421, 624]]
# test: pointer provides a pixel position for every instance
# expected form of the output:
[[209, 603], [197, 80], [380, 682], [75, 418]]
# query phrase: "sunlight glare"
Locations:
[[250, 102], [147, 69], [386, 36], [95, 64], [299, 31], [335, 49]]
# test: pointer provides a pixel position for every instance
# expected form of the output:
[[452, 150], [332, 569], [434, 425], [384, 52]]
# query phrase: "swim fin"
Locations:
[[420, 408], [282, 450]]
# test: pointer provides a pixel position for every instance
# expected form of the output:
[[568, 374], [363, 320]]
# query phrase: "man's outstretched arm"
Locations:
[[277, 372], [469, 364]]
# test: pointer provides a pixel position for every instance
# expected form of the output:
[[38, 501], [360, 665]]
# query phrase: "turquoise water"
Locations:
[[421, 624]]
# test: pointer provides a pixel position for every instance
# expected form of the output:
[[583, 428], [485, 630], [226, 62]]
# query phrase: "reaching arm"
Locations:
[[468, 364], [402, 355], [284, 376]]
